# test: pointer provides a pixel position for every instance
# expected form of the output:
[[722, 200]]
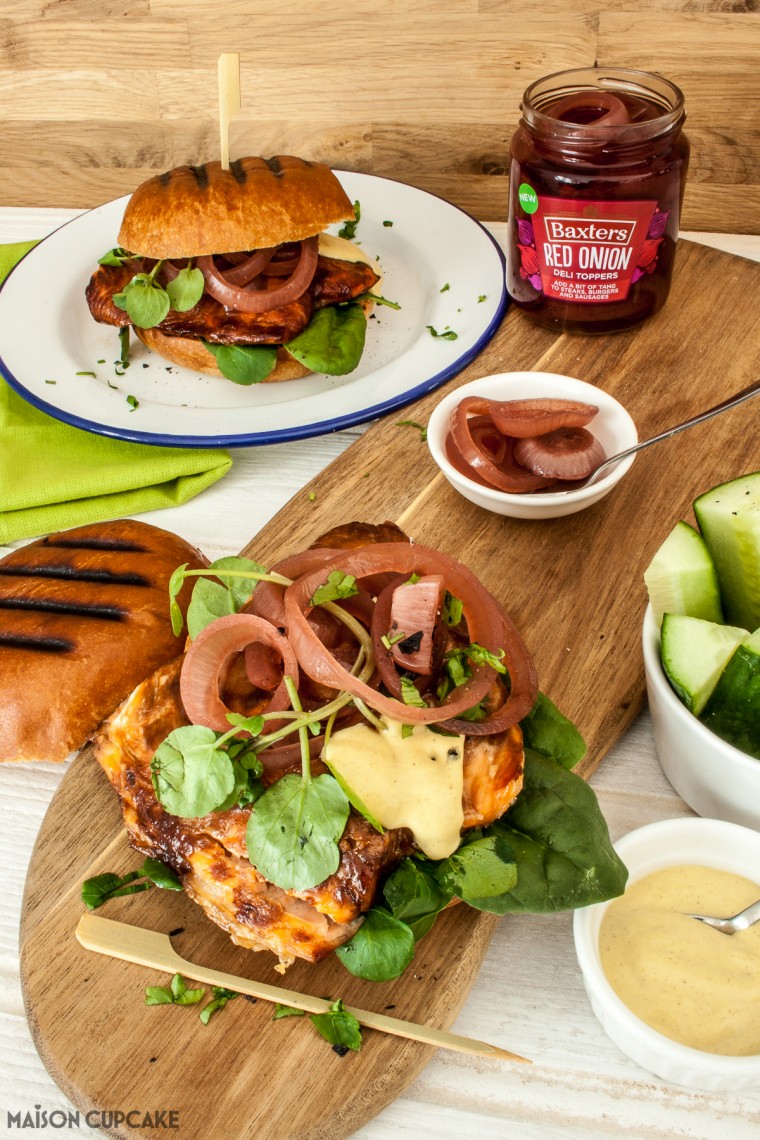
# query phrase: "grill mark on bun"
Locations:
[[77, 609], [36, 644], [238, 171], [201, 175], [275, 166], [165, 178], [94, 544], [72, 574]]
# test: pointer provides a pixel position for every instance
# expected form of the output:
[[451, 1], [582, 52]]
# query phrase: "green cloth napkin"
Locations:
[[54, 476]]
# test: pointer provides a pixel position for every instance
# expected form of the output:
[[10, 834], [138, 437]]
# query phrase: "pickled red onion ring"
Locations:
[[612, 112], [246, 270], [486, 622], [508, 476], [261, 300], [207, 656], [523, 419]]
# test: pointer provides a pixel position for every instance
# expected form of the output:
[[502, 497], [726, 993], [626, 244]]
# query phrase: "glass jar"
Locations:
[[598, 169]]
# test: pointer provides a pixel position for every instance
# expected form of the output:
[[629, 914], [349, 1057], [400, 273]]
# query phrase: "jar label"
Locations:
[[590, 251]]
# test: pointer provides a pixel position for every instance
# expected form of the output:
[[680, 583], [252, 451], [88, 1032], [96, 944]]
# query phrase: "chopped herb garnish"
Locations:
[[389, 639], [445, 288], [449, 334], [312, 496], [413, 423], [133, 402], [410, 694], [387, 224], [124, 346], [337, 586], [481, 298], [114, 386], [219, 998], [176, 993], [86, 373], [286, 1011], [51, 381], [452, 610]]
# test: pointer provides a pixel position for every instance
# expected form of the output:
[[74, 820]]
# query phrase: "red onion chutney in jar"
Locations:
[[599, 164]]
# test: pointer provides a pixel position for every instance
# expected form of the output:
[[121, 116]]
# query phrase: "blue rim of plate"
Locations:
[[280, 435]]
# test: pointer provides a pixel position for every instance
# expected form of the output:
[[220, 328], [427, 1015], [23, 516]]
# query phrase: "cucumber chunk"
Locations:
[[694, 655], [681, 577], [729, 518], [733, 710]]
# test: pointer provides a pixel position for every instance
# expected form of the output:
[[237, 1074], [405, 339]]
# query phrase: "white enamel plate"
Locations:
[[441, 266]]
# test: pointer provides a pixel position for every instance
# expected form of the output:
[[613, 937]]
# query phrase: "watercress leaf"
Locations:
[[220, 997], [286, 1011], [293, 832], [562, 847], [145, 301], [356, 801], [115, 256], [160, 874], [176, 583], [240, 588], [480, 873], [333, 340], [191, 776], [349, 229], [211, 599], [120, 300], [252, 724], [243, 364], [338, 1026], [101, 888], [412, 891], [381, 949], [158, 995], [546, 730], [186, 290], [241, 785], [337, 586]]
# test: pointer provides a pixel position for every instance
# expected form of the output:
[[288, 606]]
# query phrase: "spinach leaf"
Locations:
[[480, 873], [176, 582], [211, 600], [561, 844], [160, 874], [546, 730], [243, 364], [339, 1027], [381, 949], [412, 891], [101, 888], [191, 776], [292, 835], [333, 340]]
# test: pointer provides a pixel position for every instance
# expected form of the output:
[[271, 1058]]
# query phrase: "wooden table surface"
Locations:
[[529, 995]]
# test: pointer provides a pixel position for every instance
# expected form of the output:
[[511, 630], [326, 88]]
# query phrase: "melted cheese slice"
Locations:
[[413, 781]]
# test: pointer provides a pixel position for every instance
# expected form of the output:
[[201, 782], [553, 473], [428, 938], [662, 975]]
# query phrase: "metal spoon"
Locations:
[[740, 921], [745, 394]]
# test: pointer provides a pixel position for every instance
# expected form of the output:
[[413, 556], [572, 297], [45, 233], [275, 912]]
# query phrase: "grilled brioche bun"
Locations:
[[193, 211], [189, 352], [84, 617]]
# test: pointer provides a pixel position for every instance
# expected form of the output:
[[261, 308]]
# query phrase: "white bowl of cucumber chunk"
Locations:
[[701, 643]]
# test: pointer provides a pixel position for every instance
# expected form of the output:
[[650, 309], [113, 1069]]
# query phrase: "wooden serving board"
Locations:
[[574, 587]]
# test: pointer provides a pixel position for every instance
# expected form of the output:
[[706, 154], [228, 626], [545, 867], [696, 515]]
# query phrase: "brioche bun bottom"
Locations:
[[191, 352]]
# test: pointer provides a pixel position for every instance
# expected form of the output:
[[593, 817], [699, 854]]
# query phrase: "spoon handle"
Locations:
[[737, 398], [740, 921]]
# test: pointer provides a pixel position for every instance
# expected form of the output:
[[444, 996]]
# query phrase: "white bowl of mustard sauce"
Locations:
[[671, 968]]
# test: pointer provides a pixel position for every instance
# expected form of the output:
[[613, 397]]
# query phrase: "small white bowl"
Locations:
[[713, 777], [672, 842], [613, 427]]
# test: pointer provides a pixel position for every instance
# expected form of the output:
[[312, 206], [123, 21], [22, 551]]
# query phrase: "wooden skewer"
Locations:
[[229, 100], [149, 948]]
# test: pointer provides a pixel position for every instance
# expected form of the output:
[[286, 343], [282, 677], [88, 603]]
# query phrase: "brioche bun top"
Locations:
[[196, 210]]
